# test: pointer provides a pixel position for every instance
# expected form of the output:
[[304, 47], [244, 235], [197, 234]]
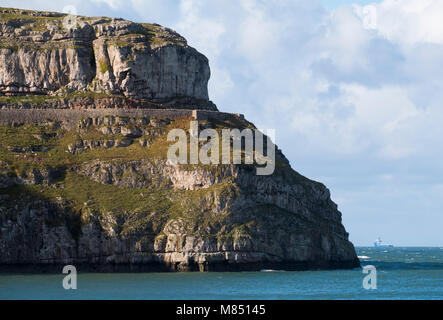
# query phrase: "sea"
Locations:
[[400, 273]]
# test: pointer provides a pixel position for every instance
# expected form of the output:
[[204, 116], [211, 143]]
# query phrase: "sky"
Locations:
[[354, 90], [332, 4]]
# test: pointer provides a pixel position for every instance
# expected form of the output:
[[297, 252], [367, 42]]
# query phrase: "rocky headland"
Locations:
[[85, 109]]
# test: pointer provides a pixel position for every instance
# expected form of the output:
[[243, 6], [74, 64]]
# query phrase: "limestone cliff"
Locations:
[[94, 188], [44, 53]]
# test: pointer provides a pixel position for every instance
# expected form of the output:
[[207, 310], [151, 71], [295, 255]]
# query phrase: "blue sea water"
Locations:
[[402, 273]]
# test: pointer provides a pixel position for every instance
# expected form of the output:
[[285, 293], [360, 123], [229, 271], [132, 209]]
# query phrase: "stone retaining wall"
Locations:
[[70, 117]]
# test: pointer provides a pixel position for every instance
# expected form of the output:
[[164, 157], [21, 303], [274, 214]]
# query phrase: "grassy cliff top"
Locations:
[[123, 32]]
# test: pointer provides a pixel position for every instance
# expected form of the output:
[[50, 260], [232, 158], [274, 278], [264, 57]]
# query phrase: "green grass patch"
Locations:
[[103, 65]]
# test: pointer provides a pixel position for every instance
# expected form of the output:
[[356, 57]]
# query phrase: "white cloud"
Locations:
[[381, 115], [411, 21], [114, 4], [205, 32]]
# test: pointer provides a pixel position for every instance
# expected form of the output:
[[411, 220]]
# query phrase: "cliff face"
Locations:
[[43, 53], [100, 194], [111, 212]]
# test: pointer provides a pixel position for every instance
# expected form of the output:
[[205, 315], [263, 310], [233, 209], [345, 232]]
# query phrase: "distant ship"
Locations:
[[378, 243]]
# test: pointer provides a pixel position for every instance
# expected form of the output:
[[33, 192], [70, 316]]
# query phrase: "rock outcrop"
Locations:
[[48, 53], [102, 195]]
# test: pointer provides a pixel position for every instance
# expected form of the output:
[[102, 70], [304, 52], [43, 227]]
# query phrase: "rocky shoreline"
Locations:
[[161, 267]]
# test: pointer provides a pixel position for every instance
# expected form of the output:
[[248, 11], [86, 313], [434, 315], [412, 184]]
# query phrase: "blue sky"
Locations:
[[354, 93]]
